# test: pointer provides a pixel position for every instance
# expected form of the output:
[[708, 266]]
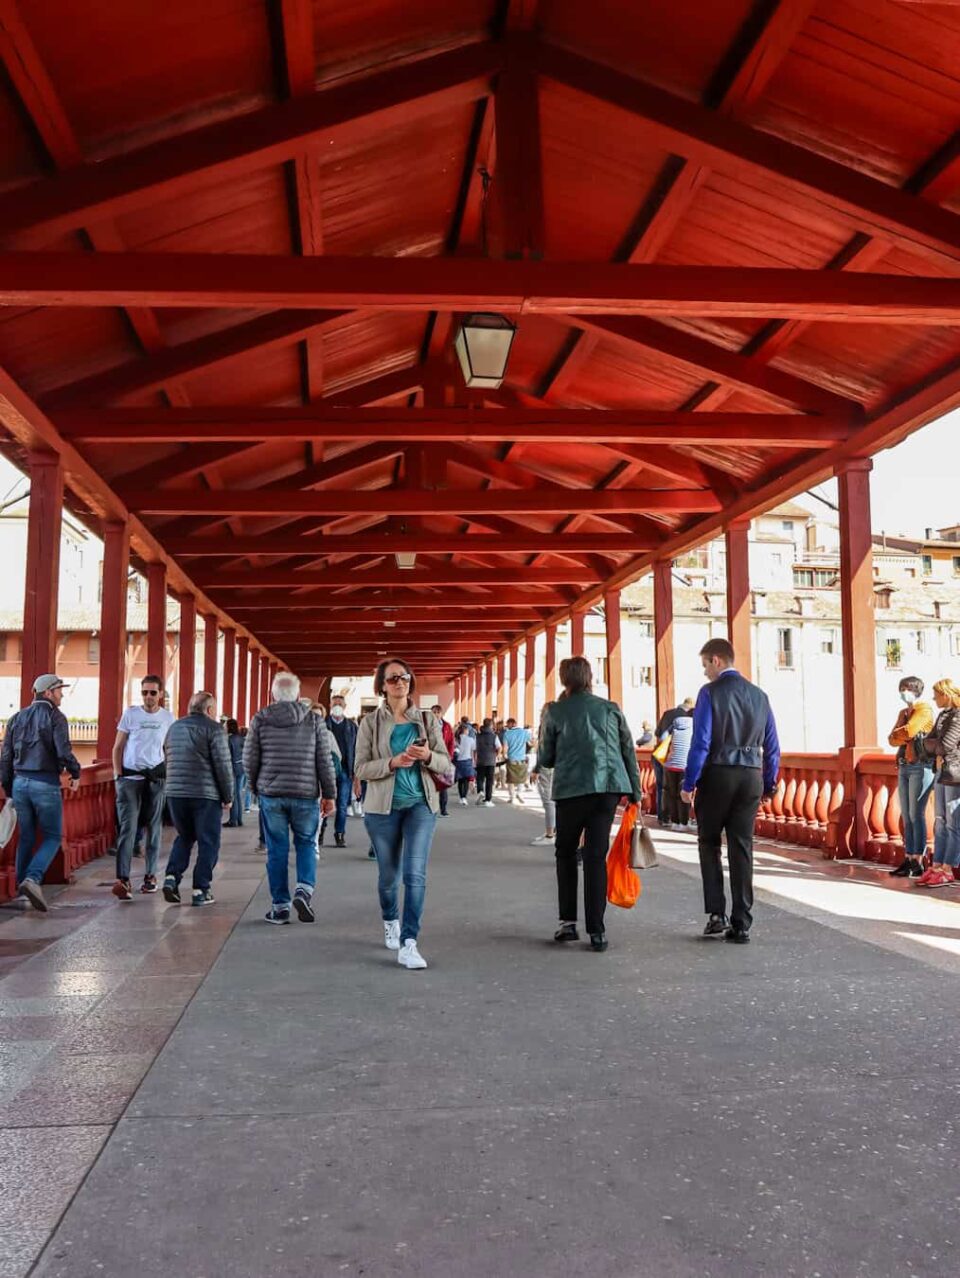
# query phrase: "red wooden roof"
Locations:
[[237, 239]]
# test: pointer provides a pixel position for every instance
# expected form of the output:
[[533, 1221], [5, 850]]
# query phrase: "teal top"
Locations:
[[408, 788]]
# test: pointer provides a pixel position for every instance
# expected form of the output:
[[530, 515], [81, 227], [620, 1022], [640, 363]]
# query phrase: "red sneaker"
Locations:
[[942, 878], [924, 878]]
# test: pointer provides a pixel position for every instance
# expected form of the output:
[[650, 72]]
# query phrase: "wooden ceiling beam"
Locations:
[[386, 573], [461, 426], [454, 284], [248, 142], [519, 543]]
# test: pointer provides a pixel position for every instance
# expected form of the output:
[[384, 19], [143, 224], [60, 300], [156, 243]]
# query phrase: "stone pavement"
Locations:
[[673, 1107]]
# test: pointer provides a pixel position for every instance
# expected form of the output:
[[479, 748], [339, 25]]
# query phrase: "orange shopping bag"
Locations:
[[623, 884]]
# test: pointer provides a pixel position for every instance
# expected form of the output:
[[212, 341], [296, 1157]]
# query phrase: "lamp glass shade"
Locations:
[[406, 559], [483, 347]]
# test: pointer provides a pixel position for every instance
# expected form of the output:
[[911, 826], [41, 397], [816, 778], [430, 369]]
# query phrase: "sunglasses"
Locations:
[[149, 692], [397, 678]]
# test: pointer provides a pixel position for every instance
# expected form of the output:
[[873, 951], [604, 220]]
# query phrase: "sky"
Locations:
[[913, 486]]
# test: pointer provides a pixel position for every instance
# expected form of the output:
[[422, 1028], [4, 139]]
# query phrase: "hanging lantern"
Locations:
[[483, 347]]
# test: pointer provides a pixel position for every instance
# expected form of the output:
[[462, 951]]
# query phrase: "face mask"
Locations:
[[908, 698], [336, 712]]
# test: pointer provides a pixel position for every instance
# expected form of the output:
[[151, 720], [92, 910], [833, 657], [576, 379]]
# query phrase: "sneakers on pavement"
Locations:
[[716, 925], [489, 803], [391, 934], [202, 896], [941, 877], [541, 839], [32, 891], [409, 956], [149, 884], [566, 932], [737, 936], [301, 903], [123, 890], [277, 914], [171, 890]]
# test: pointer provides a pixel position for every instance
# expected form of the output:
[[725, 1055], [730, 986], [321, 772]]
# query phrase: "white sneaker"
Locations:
[[391, 934], [489, 803], [410, 956], [541, 839], [463, 803]]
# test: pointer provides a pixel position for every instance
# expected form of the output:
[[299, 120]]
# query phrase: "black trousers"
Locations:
[[592, 816], [676, 812], [485, 781], [463, 786], [727, 802]]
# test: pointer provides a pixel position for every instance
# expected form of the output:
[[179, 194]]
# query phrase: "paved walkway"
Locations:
[[193, 1092]]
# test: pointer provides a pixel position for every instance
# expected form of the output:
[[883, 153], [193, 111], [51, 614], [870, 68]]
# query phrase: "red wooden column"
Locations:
[[738, 594], [228, 700], [272, 671], [529, 685], [474, 694], [113, 635], [576, 633], [211, 636], [42, 583], [265, 680], [513, 692], [489, 695], [187, 668], [157, 620], [550, 666], [663, 634], [611, 609], [456, 698], [502, 686], [243, 662], [256, 679]]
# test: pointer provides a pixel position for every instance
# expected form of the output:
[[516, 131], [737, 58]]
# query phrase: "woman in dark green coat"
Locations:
[[587, 742]]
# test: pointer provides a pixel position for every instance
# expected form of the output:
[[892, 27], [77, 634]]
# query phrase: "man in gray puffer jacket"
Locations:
[[287, 760]]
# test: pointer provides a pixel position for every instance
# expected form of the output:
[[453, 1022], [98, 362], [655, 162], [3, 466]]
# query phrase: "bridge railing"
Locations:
[[846, 805], [89, 829]]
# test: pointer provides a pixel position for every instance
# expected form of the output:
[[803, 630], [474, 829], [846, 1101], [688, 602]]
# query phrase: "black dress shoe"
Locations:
[[916, 868], [340, 840], [566, 932], [716, 925], [598, 942], [903, 869], [737, 936]]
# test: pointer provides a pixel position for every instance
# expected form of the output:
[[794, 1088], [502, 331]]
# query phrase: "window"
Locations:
[[641, 676], [927, 564], [601, 664], [823, 578], [644, 629], [786, 527], [785, 648], [883, 598], [894, 652], [93, 650], [920, 642], [828, 641], [956, 643], [956, 565]]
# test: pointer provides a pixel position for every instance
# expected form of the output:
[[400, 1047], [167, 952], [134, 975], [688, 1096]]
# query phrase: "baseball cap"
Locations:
[[47, 683]]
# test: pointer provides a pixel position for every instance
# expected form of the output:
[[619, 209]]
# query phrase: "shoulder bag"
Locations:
[[643, 852], [442, 780]]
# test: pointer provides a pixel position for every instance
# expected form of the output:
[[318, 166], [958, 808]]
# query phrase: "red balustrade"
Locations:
[[89, 829]]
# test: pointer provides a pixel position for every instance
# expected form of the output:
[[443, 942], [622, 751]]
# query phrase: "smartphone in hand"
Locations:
[[420, 741]]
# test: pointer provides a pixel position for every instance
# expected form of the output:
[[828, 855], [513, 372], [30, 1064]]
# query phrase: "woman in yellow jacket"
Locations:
[[915, 774]]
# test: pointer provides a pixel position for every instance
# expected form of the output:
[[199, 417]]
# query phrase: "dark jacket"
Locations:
[[198, 760], [37, 743], [287, 753], [587, 742], [235, 746], [733, 727], [944, 743], [488, 747], [345, 735]]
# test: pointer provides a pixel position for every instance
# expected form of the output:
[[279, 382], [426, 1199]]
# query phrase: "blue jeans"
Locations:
[[280, 817], [344, 795], [237, 810], [402, 837], [139, 804], [197, 822], [946, 825], [39, 807], [915, 781]]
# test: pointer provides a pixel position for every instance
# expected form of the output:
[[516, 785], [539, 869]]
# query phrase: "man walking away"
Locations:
[[287, 757], [36, 750], [199, 791], [344, 732], [488, 751], [516, 742], [447, 733], [733, 763], [138, 777]]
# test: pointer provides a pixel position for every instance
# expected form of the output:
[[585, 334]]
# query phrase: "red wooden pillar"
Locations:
[[550, 666], [576, 634], [489, 695], [272, 671], [42, 582], [513, 693], [265, 680], [501, 686], [113, 635], [611, 609], [157, 620], [663, 634], [529, 683], [256, 676], [228, 701], [187, 668], [738, 594], [456, 698], [243, 662], [211, 637]]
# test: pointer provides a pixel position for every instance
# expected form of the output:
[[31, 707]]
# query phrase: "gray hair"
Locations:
[[200, 702], [286, 686]]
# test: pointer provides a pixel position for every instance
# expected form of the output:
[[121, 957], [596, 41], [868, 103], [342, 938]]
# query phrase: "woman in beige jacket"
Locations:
[[398, 746]]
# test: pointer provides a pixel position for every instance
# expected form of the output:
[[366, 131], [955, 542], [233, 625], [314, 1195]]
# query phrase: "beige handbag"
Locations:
[[643, 853]]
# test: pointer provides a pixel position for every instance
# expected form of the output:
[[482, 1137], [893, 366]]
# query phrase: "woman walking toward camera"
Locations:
[[943, 744], [586, 741], [397, 749]]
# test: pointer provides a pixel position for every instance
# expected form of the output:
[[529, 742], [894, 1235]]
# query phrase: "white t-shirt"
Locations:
[[466, 747], [146, 734]]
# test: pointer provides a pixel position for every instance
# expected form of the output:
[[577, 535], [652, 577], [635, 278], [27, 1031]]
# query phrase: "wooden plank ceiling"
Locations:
[[234, 252]]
